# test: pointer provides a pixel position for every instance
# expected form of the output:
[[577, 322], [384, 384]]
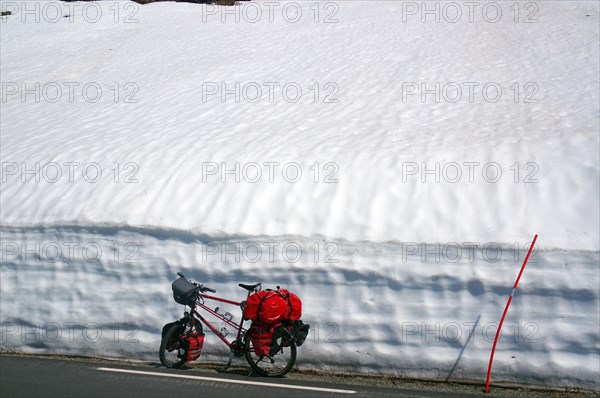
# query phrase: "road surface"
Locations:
[[35, 376]]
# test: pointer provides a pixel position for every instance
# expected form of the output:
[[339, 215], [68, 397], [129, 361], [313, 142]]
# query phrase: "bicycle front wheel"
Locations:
[[169, 346], [271, 366]]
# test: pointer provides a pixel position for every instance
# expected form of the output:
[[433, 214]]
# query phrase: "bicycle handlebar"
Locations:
[[201, 287]]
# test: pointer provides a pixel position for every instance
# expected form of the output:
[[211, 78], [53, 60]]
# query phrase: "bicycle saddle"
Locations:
[[249, 287]]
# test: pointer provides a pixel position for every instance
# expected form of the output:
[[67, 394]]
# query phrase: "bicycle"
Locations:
[[280, 360]]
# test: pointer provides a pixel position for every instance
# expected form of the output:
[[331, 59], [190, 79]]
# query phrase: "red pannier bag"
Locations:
[[261, 337], [267, 307], [190, 346], [294, 304]]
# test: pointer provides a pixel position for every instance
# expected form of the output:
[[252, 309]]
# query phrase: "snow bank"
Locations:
[[392, 173]]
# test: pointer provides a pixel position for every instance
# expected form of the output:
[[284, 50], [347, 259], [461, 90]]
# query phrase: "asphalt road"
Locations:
[[30, 376]]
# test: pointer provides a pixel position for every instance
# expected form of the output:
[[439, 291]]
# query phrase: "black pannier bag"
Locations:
[[297, 330], [301, 330], [184, 292], [280, 339], [173, 342]]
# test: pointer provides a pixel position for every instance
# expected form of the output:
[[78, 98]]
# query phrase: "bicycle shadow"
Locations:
[[214, 368], [232, 370], [246, 372]]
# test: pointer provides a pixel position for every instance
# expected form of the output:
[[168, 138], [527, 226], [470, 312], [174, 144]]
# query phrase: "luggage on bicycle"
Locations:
[[294, 304], [174, 338], [273, 306], [286, 337], [296, 330], [267, 306], [261, 337], [300, 332], [282, 335], [275, 316], [184, 292], [190, 346]]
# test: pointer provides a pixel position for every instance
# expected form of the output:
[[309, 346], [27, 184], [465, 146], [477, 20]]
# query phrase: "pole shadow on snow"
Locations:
[[463, 348]]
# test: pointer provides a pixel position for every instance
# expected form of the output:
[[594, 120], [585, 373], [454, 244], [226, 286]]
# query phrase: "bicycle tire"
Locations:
[[280, 364], [168, 355]]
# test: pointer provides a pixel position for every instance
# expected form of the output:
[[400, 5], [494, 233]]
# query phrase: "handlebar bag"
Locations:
[[184, 292]]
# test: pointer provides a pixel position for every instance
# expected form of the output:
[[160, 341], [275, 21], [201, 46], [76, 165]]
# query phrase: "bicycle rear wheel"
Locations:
[[169, 345], [271, 366]]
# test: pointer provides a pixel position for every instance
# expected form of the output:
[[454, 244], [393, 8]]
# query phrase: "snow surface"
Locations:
[[395, 267]]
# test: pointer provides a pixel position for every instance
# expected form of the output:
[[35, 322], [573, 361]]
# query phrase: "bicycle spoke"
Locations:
[[274, 366]]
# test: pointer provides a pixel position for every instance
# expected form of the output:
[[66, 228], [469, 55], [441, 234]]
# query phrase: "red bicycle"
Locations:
[[175, 335]]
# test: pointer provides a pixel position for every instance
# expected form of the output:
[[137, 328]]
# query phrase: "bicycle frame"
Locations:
[[201, 303], [273, 362]]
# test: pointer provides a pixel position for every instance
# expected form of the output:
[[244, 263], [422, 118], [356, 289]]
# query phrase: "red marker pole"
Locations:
[[489, 372]]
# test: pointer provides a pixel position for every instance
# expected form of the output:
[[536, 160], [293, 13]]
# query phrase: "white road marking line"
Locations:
[[252, 383]]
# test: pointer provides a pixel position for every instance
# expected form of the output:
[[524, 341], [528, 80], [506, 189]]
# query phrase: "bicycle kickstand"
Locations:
[[229, 362]]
